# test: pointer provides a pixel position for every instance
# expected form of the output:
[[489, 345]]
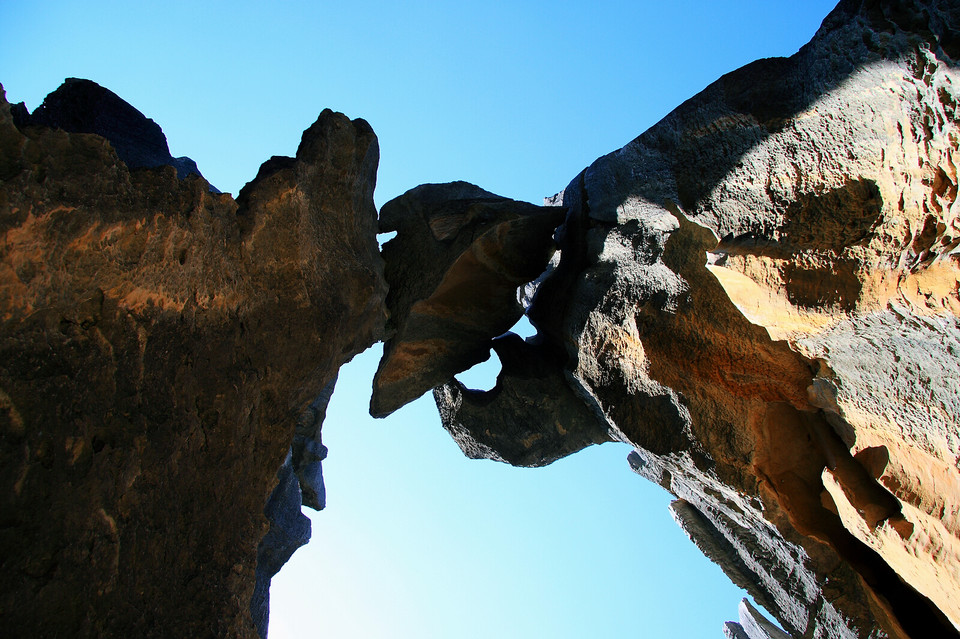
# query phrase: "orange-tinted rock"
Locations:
[[157, 343], [761, 294]]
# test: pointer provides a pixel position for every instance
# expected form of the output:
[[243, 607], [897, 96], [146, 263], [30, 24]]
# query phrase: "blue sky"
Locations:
[[516, 97]]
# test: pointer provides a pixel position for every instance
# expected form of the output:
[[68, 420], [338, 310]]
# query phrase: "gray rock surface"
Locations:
[[753, 625], [299, 483], [540, 418], [760, 293]]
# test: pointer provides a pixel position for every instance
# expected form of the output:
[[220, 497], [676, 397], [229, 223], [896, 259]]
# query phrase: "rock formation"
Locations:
[[82, 106], [760, 294], [157, 344], [299, 483], [453, 270]]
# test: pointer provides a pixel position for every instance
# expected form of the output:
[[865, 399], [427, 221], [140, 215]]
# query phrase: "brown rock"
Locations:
[[454, 268], [157, 343]]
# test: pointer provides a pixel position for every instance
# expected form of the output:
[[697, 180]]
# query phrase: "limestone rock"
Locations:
[[454, 268], [82, 106], [299, 483], [760, 293], [530, 418], [157, 344], [289, 530], [753, 625]]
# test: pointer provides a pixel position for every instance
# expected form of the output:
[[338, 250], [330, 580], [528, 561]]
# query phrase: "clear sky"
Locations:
[[517, 97]]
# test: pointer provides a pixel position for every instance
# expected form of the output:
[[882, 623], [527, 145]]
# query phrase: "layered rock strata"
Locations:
[[760, 294], [157, 345]]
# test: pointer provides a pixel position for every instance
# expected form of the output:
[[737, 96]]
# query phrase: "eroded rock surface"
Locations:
[[299, 483], [453, 269], [82, 106], [760, 293], [157, 345]]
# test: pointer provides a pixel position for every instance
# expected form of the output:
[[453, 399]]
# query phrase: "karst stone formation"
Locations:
[[760, 294]]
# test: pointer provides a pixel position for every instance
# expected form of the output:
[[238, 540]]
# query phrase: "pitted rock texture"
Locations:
[[453, 269], [760, 293], [157, 344]]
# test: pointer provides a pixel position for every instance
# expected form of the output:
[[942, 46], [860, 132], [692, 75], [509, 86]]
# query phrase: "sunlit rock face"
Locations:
[[157, 344], [760, 293]]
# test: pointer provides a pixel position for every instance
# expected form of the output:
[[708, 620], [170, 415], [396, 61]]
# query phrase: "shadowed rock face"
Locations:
[[530, 418], [299, 483], [760, 293], [82, 106], [157, 344], [453, 269]]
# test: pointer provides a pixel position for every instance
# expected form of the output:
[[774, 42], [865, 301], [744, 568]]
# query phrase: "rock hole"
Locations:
[[383, 238], [482, 376], [523, 327]]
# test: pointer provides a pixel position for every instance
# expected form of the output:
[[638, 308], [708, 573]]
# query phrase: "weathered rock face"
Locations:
[[157, 344], [453, 269], [760, 293], [299, 483], [82, 106], [530, 418]]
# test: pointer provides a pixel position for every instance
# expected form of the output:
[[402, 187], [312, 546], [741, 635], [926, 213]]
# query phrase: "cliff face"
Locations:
[[760, 293], [157, 343]]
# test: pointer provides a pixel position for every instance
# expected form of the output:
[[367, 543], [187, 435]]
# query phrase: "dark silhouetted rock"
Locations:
[[530, 418], [289, 530], [300, 483], [82, 106], [453, 269], [157, 344]]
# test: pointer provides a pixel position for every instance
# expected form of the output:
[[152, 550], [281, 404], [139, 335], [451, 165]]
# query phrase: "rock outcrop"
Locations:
[[760, 294], [82, 106], [157, 345], [299, 483], [454, 268]]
